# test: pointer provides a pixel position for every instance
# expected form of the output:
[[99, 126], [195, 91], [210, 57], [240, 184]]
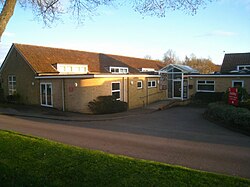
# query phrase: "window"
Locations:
[[72, 68], [205, 86], [146, 69], [12, 84], [123, 70], [237, 83], [243, 67], [46, 94], [139, 84], [151, 84], [116, 90]]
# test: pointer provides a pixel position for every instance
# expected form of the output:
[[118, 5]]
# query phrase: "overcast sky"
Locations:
[[223, 26]]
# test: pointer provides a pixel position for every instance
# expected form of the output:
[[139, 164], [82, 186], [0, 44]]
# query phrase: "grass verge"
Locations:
[[30, 161]]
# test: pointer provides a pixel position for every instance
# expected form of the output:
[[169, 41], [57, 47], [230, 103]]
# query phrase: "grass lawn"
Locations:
[[29, 161]]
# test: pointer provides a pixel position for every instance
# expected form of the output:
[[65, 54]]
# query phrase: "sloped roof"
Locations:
[[182, 68], [232, 60], [41, 59]]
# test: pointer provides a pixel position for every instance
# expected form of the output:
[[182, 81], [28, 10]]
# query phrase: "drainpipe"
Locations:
[[128, 92], [182, 83], [63, 94]]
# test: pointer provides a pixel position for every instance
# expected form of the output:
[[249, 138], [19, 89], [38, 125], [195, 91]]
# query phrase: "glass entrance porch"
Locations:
[[177, 80]]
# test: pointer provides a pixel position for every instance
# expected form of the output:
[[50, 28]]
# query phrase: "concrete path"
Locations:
[[177, 136]]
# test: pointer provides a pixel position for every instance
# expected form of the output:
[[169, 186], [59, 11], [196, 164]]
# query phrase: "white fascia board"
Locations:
[[235, 75], [64, 77], [92, 76], [120, 76]]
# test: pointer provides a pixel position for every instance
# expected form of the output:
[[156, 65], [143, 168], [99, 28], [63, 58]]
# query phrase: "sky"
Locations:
[[222, 27]]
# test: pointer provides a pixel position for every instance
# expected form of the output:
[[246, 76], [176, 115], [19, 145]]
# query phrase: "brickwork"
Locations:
[[26, 84]]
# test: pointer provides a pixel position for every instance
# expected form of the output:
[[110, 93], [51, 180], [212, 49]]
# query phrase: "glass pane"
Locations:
[[49, 94], [237, 84], [177, 88], [210, 82], [206, 87], [115, 86], [153, 83], [139, 84], [149, 84], [177, 76], [201, 82], [43, 94], [116, 94]]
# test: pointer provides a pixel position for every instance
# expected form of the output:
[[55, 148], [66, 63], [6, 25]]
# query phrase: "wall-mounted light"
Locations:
[[32, 83], [76, 84], [131, 82]]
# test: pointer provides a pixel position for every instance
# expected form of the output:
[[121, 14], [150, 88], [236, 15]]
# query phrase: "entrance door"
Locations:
[[177, 89]]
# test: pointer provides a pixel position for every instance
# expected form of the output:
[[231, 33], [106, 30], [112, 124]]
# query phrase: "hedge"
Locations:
[[208, 97], [232, 116], [107, 105]]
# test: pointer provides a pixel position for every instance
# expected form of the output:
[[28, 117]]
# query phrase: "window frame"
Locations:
[[242, 81], [115, 91], [12, 85], [240, 67], [205, 83], [139, 87], [150, 84], [118, 70]]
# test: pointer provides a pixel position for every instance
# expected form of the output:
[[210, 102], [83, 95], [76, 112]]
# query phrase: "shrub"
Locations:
[[236, 117], [2, 99], [107, 105], [208, 97], [245, 104], [16, 98]]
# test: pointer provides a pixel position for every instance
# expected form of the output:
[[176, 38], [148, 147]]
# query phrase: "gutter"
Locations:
[[92, 76]]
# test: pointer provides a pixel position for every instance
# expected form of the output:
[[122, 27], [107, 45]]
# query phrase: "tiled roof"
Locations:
[[41, 59], [232, 60]]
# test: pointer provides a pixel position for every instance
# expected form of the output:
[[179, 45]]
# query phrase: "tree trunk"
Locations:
[[7, 12]]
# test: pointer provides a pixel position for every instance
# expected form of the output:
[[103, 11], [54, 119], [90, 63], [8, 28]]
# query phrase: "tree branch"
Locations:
[[6, 13]]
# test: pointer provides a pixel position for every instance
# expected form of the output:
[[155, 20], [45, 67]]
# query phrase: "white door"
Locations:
[[46, 94]]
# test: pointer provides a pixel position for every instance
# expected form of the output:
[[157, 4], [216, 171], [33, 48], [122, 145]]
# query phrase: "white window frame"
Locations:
[[150, 84], [114, 91], [46, 98], [11, 85], [117, 70], [139, 87], [205, 83], [243, 66], [242, 81], [72, 68]]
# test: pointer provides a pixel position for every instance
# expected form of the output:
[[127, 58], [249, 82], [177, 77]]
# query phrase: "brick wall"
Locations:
[[26, 84]]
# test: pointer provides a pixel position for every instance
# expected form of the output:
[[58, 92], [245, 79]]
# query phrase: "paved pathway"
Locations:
[[177, 136]]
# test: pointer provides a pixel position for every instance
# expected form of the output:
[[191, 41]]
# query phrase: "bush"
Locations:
[[208, 97], [16, 98], [107, 105], [245, 104], [2, 99], [236, 117]]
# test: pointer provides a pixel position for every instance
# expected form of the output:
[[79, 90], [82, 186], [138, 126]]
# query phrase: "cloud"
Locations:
[[218, 33]]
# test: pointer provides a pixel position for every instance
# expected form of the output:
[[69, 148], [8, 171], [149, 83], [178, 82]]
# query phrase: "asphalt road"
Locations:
[[177, 136]]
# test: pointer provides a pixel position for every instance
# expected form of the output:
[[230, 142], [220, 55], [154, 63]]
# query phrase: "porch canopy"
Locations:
[[177, 80]]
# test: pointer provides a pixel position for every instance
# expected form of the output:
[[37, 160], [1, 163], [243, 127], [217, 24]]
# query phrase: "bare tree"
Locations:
[[170, 57], [50, 10], [148, 57], [203, 65]]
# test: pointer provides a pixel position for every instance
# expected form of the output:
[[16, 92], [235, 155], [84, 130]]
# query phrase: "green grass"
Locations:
[[29, 161]]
